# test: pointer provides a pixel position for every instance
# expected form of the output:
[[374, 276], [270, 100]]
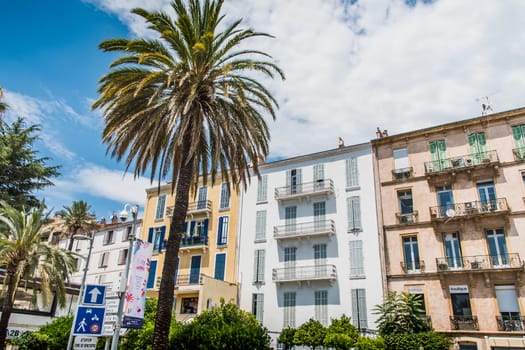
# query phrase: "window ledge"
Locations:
[[260, 240], [224, 209], [357, 277], [353, 188], [262, 202], [352, 230]]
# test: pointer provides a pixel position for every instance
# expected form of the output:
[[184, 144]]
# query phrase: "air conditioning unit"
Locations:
[[450, 213], [401, 174], [457, 163], [430, 168], [468, 161], [406, 218]]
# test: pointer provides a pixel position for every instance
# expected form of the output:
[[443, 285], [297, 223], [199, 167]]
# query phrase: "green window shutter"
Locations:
[[438, 155], [519, 140]]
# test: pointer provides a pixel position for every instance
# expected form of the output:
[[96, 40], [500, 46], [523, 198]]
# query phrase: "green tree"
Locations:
[[224, 327], [186, 103], [27, 257], [142, 338], [430, 340], [3, 105], [57, 332], [77, 218], [364, 343], [21, 170], [310, 334], [286, 337], [401, 313], [341, 334]]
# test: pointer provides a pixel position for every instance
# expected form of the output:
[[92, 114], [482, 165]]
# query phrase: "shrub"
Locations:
[[407, 341]]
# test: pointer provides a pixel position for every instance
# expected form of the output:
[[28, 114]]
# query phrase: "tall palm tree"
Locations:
[[77, 217], [3, 105], [25, 256], [185, 103]]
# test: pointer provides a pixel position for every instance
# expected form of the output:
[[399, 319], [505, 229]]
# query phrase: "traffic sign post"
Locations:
[[94, 295], [89, 320], [82, 343]]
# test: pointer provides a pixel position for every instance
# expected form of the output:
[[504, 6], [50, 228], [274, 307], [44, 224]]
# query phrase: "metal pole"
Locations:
[[124, 281], [81, 291]]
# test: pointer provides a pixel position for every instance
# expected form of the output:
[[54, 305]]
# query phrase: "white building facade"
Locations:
[[309, 241]]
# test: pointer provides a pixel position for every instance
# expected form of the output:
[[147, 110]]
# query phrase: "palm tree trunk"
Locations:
[[167, 283], [7, 307], [72, 239]]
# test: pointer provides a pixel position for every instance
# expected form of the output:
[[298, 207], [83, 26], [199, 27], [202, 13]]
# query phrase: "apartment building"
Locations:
[[451, 202], [309, 241], [206, 271]]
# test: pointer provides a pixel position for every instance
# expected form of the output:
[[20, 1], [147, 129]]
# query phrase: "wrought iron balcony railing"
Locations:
[[194, 208], [407, 218], [469, 209], [462, 162], [193, 241], [509, 323], [460, 322], [320, 187], [519, 153], [304, 273], [309, 229], [413, 266], [479, 262], [403, 173]]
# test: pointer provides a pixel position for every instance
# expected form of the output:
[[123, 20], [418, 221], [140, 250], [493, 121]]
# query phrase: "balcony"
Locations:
[[413, 266], [305, 230], [481, 164], [407, 218], [508, 323], [194, 242], [194, 209], [305, 190], [519, 154], [469, 210], [402, 174], [305, 274], [479, 263], [459, 322]]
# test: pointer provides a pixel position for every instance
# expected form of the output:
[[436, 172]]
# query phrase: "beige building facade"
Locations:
[[451, 204], [207, 269]]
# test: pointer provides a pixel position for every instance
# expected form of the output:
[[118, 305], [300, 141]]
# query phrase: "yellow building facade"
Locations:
[[207, 269]]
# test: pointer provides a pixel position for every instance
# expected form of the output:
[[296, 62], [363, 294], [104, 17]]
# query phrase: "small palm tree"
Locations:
[[186, 103], [77, 218], [25, 256]]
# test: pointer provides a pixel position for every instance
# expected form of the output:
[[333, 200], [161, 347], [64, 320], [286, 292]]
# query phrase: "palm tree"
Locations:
[[25, 256], [186, 103], [3, 105], [77, 217]]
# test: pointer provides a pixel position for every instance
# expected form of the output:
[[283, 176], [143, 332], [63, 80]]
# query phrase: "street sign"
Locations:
[[111, 318], [82, 343], [94, 295], [89, 320]]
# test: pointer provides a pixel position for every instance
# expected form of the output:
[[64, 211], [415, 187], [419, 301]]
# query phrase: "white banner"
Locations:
[[136, 289]]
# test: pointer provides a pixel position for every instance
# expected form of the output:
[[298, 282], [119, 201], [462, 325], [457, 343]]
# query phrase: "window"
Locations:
[[150, 284], [220, 266], [108, 237], [258, 306], [260, 225], [222, 232], [195, 269], [123, 255], [189, 305], [518, 133], [290, 216], [411, 252], [418, 292], [406, 205], [445, 201], [438, 155], [401, 158], [352, 175], [290, 256], [478, 147], [452, 250], [156, 237], [319, 176], [258, 266], [202, 198], [225, 196], [354, 214], [104, 258], [320, 259], [499, 255], [126, 234], [487, 196], [359, 312], [289, 310], [262, 189], [459, 296], [319, 215], [357, 269], [509, 309], [161, 205], [294, 181], [321, 306]]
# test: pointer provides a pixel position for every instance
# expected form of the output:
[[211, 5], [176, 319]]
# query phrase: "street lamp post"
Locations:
[[83, 283], [123, 282]]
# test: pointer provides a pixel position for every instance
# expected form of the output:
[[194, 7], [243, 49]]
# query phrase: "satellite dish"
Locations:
[[450, 213]]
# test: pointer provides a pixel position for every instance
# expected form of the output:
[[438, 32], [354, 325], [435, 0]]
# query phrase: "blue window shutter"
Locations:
[[220, 260], [219, 234], [176, 270], [205, 228], [192, 227], [151, 275], [150, 235], [162, 235], [185, 227]]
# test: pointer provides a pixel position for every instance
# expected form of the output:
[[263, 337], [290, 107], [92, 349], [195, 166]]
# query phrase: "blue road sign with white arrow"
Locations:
[[89, 320], [94, 295]]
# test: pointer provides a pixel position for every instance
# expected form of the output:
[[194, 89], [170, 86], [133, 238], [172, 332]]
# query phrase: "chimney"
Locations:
[[114, 218], [378, 133], [341, 142], [385, 133]]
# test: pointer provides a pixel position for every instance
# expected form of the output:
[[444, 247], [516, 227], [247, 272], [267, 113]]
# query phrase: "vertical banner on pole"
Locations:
[[136, 288]]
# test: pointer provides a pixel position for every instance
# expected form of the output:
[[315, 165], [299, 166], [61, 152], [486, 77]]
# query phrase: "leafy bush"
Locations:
[[364, 343], [31, 341], [142, 338], [401, 313], [57, 332], [286, 337], [310, 334], [341, 334], [408, 341]]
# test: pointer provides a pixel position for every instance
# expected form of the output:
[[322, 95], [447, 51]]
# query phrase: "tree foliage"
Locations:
[[427, 340], [223, 327], [185, 103], [77, 217], [401, 313], [310, 334], [3, 105], [365, 343], [341, 334], [22, 171], [286, 337]]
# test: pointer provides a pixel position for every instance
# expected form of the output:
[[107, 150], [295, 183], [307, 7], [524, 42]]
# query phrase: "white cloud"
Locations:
[[411, 67]]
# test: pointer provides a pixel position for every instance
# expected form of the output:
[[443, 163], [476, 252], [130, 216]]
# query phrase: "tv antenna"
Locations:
[[485, 105]]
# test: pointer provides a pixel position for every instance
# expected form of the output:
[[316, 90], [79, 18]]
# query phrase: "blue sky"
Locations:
[[350, 65]]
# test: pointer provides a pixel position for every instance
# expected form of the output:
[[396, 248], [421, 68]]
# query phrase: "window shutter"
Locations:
[[260, 225], [261, 264], [219, 231], [205, 228], [359, 308], [192, 227], [262, 189], [185, 227], [356, 258], [352, 175], [260, 307], [354, 213], [150, 235], [220, 261], [151, 276], [162, 235]]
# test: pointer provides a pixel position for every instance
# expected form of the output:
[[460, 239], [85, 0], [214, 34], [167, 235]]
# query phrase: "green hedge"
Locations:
[[413, 341]]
